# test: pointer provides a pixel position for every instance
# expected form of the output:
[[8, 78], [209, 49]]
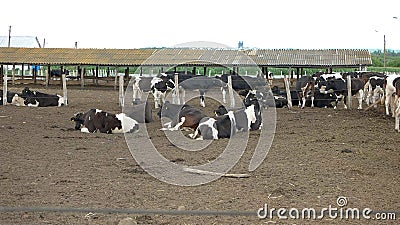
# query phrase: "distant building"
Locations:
[[20, 42]]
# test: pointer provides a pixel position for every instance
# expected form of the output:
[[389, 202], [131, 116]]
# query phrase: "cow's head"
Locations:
[[166, 110], [79, 120], [220, 111], [26, 92], [257, 97]]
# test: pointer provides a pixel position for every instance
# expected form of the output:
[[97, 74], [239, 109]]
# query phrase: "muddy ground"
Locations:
[[316, 156]]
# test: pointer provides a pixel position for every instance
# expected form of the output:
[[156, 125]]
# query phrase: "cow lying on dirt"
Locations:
[[96, 120]]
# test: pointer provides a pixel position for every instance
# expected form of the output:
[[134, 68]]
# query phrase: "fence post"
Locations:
[[176, 81], [65, 94], [4, 85], [349, 91], [121, 90], [230, 92], [115, 78], [13, 74]]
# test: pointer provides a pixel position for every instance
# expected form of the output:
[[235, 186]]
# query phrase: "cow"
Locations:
[[397, 110], [158, 86], [280, 97], [374, 88], [56, 73], [202, 84], [322, 100], [39, 99], [18, 100], [305, 86], [96, 120], [140, 111], [10, 96], [339, 87], [227, 125], [390, 90], [253, 98], [181, 115], [240, 82]]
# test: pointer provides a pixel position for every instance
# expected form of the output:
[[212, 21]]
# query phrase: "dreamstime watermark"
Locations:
[[338, 211], [147, 154]]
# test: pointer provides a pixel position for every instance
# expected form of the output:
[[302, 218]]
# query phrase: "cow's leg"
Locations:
[[360, 95], [397, 115], [303, 104], [312, 101], [202, 103], [387, 100], [156, 95], [223, 94], [178, 125], [344, 99], [194, 135], [367, 89], [393, 105]]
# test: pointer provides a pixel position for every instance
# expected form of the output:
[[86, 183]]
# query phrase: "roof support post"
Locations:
[[13, 74], [47, 74], [4, 76]]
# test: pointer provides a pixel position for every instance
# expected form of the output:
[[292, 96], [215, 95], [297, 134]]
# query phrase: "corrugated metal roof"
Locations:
[[187, 56]]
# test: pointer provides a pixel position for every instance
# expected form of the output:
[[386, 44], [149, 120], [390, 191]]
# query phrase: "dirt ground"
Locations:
[[316, 156]]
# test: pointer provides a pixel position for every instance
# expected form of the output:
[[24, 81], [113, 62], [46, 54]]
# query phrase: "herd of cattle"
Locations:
[[318, 90]]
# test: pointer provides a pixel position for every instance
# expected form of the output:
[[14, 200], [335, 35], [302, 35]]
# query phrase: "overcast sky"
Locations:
[[270, 24]]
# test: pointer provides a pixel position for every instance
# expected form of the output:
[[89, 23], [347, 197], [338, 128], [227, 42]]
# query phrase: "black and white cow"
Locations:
[[339, 87], [227, 125], [17, 100], [96, 120], [254, 98], [181, 115], [39, 99], [322, 100], [56, 73], [202, 84], [242, 82], [140, 111], [10, 96], [390, 90], [280, 97], [158, 85], [397, 108], [374, 88], [305, 86]]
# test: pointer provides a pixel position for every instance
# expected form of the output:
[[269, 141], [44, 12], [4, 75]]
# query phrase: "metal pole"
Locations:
[[9, 37], [384, 51]]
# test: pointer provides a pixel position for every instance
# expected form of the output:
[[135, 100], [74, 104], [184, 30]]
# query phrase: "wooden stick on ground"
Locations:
[[372, 105], [204, 172]]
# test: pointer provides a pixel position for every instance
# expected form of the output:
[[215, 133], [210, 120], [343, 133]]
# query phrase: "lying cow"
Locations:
[[141, 112], [18, 100], [39, 99], [227, 125], [96, 120], [181, 116]]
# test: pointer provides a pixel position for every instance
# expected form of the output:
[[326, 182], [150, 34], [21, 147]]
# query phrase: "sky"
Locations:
[[266, 24]]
